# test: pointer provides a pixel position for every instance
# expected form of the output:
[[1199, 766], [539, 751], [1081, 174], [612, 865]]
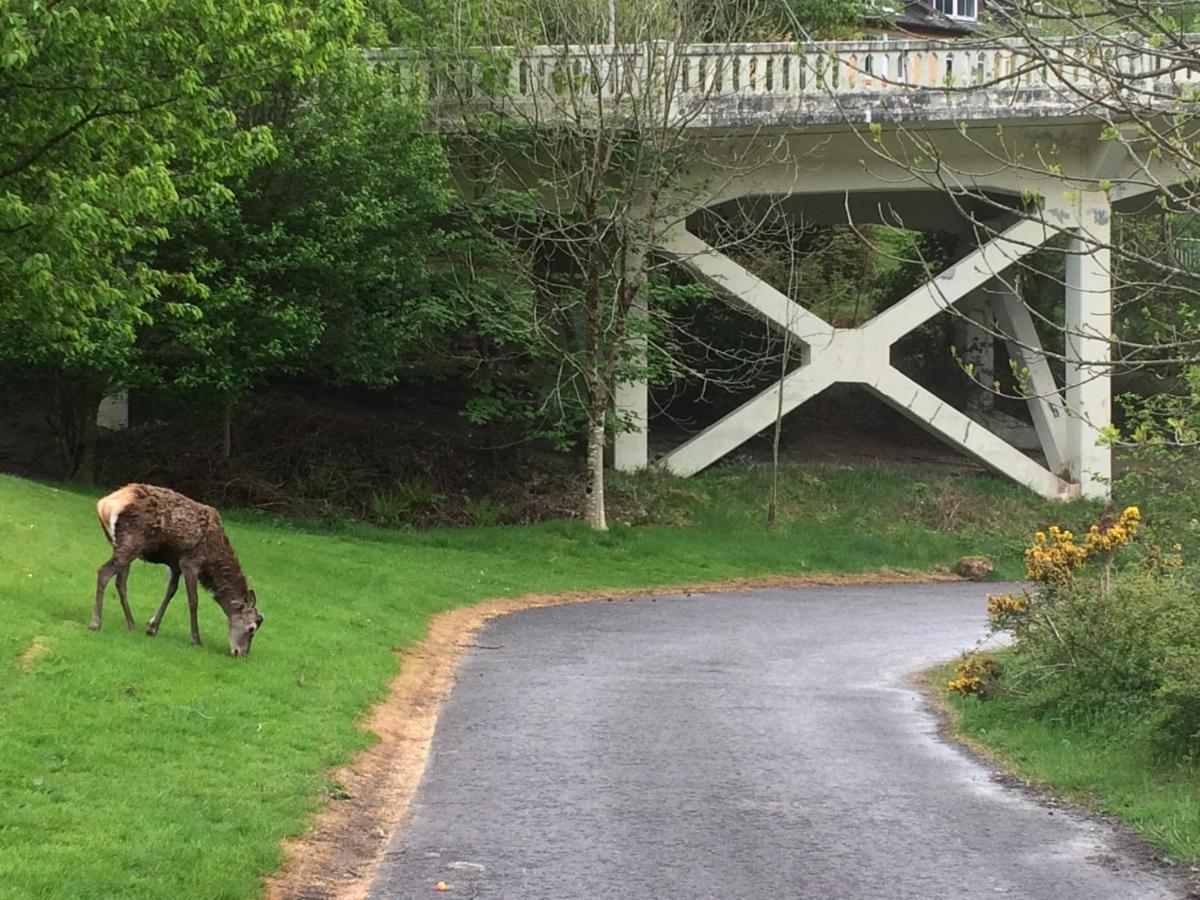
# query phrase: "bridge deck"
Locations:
[[721, 86]]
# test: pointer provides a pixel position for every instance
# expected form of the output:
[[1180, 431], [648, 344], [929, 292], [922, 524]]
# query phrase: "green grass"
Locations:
[[132, 767], [1099, 765]]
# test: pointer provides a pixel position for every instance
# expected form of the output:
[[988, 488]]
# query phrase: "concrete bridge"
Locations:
[[983, 140]]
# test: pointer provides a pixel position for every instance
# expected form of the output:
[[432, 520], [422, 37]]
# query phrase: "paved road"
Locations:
[[762, 744]]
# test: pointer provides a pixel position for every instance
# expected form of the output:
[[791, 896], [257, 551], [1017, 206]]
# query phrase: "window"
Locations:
[[957, 9]]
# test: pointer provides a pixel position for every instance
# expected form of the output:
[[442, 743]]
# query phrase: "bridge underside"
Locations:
[[863, 129], [978, 288]]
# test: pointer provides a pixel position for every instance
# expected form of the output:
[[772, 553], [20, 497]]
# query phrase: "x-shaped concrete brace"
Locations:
[[862, 355]]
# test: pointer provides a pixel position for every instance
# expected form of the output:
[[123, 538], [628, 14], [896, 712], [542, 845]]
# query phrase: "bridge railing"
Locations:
[[566, 73]]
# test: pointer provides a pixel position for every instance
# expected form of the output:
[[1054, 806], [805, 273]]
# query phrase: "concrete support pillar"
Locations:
[[631, 396], [113, 414], [631, 451], [1043, 397], [976, 349], [1088, 347]]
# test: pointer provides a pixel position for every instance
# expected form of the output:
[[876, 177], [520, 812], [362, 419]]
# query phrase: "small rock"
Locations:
[[975, 568]]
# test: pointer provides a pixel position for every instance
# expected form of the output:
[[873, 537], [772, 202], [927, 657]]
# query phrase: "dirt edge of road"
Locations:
[[1127, 841], [339, 854]]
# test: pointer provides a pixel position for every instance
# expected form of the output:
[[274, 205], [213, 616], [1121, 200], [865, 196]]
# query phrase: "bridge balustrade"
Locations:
[[688, 73]]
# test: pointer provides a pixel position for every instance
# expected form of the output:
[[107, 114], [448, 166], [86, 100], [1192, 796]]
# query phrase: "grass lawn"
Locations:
[[137, 767], [1096, 765]]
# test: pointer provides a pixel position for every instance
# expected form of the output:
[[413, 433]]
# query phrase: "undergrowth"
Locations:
[[1099, 693], [1097, 760]]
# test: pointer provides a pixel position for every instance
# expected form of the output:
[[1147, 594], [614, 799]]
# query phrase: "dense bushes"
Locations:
[[1110, 629]]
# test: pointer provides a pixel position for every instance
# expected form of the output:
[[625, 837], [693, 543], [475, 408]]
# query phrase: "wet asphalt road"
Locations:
[[762, 744]]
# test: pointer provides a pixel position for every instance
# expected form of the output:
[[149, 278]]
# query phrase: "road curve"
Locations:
[[760, 744]]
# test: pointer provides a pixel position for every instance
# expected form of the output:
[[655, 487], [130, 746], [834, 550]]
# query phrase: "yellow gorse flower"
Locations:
[[1115, 536], [973, 675], [1006, 605], [1055, 556]]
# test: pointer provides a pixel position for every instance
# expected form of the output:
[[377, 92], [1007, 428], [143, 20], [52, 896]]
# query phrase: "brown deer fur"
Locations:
[[162, 526]]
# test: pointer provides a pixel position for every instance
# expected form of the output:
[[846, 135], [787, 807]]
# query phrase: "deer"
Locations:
[[164, 527]]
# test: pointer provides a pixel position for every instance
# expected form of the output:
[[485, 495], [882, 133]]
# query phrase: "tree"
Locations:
[[566, 116], [115, 119], [323, 260]]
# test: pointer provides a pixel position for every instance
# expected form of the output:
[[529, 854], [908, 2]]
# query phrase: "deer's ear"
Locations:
[[251, 599]]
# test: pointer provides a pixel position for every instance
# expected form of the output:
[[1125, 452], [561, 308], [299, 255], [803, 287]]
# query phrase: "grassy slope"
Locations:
[[144, 768], [1095, 765]]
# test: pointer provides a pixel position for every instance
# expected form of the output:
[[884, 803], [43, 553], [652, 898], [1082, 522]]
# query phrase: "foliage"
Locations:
[[115, 120], [975, 676], [404, 501], [1168, 478], [589, 21], [577, 195], [1098, 635], [118, 119], [906, 260], [776, 20], [322, 260]]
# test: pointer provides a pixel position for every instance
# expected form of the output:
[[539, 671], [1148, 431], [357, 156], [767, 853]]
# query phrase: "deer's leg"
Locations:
[[122, 581], [172, 587], [103, 575], [189, 582]]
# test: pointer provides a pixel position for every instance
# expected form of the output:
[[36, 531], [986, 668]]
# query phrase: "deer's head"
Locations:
[[243, 625]]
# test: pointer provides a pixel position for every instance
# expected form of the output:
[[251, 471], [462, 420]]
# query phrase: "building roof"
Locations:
[[920, 18]]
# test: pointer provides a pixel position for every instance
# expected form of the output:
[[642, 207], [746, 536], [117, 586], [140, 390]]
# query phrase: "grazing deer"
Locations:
[[161, 526]]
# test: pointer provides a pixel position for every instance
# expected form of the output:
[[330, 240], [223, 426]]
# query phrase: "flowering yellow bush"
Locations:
[[974, 676], [1055, 556], [1039, 618], [1115, 536], [1004, 610]]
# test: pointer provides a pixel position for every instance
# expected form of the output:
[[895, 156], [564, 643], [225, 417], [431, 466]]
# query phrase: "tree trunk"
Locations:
[[773, 502], [593, 490], [85, 407], [227, 435], [776, 438]]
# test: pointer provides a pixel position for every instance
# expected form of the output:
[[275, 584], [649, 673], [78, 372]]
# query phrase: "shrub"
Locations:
[[977, 675], [1109, 626]]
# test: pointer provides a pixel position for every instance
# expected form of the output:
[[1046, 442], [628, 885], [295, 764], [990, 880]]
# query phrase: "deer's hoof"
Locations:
[[151, 630], [95, 626]]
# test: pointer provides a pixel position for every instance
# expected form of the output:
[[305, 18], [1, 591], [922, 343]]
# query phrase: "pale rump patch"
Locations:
[[109, 509], [338, 856]]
